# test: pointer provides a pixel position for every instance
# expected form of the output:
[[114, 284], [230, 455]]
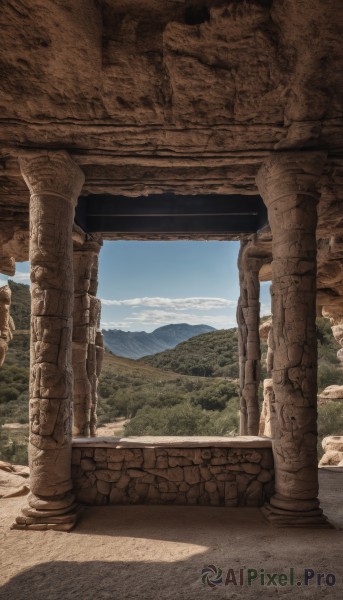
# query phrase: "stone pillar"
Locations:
[[287, 183], [6, 321], [248, 319], [55, 182], [268, 408], [86, 329]]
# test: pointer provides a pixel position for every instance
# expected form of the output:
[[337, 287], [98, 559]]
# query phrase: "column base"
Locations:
[[59, 514], [283, 512]]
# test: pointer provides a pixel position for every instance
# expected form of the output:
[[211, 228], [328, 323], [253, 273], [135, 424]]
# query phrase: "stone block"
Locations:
[[106, 475], [242, 483], [123, 482], [162, 462], [251, 468], [87, 452], [194, 491], [230, 491], [104, 487], [153, 494], [206, 454], [191, 475], [184, 487], [88, 464], [102, 465], [179, 461], [115, 466], [224, 476], [253, 456], [115, 455], [100, 454], [129, 455], [221, 488], [175, 474], [205, 473], [148, 478], [215, 470], [210, 486], [134, 473], [149, 458], [134, 464], [219, 452], [221, 460]]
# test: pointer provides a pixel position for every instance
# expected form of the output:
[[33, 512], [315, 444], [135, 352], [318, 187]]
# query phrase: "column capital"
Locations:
[[286, 173], [52, 173]]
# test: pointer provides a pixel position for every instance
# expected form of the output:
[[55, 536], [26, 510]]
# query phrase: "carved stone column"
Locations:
[[6, 321], [55, 182], [85, 330], [287, 183], [248, 318], [268, 409]]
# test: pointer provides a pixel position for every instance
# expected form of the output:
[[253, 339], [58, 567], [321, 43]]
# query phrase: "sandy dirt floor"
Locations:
[[142, 552]]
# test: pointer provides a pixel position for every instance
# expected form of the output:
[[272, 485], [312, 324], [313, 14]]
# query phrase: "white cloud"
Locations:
[[195, 303], [160, 317], [21, 277]]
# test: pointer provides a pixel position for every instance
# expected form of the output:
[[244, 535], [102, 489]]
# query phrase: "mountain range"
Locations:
[[136, 344]]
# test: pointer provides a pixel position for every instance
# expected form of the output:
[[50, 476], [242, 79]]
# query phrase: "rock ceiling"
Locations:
[[186, 96]]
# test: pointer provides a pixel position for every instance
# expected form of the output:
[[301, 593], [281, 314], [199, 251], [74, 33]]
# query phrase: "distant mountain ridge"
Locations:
[[136, 344]]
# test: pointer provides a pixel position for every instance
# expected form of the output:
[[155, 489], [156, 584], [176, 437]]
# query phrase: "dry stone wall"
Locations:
[[216, 476]]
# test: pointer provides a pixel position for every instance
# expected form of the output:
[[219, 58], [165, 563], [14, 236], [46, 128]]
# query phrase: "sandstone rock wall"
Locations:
[[6, 321]]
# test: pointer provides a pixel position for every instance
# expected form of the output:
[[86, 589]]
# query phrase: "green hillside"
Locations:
[[213, 354], [20, 305]]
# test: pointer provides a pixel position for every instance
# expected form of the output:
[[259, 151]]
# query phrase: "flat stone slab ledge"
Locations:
[[248, 441]]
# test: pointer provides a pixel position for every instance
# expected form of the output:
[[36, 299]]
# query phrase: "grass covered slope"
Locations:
[[213, 354], [160, 402]]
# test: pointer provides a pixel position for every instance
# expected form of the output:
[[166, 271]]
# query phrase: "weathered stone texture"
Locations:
[[212, 476], [87, 336], [333, 451], [250, 261], [288, 186], [6, 321], [54, 181]]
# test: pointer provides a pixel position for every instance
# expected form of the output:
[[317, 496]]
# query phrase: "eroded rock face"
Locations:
[[194, 93], [6, 321], [190, 97], [333, 451], [331, 393]]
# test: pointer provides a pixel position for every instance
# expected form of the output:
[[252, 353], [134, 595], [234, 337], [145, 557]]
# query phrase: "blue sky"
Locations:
[[144, 285]]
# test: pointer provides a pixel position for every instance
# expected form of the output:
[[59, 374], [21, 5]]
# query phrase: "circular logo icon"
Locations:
[[211, 575]]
